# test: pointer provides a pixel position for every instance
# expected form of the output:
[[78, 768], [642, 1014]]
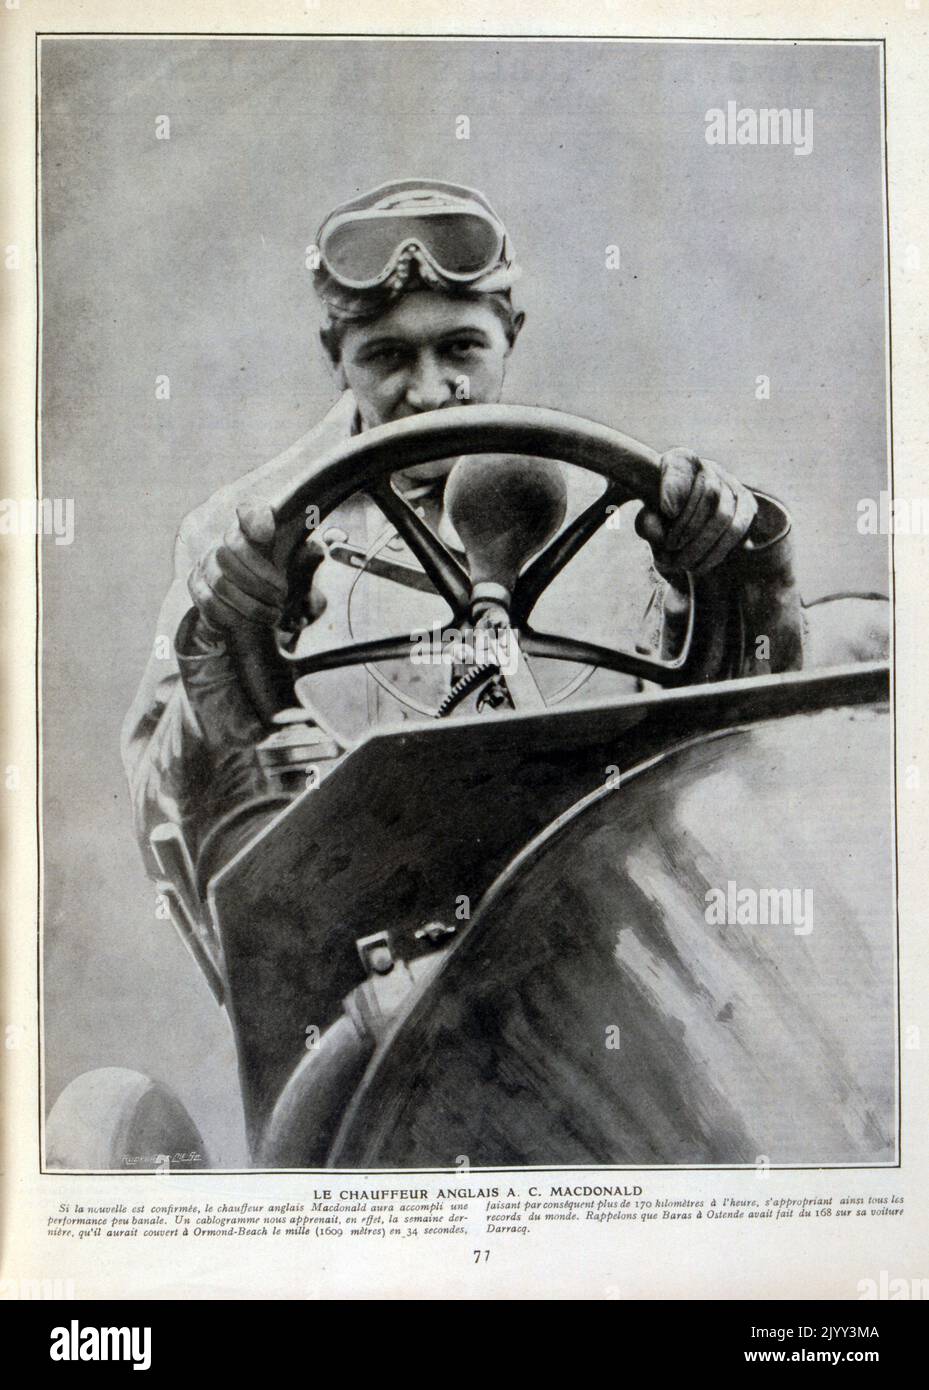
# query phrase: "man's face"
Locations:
[[428, 351]]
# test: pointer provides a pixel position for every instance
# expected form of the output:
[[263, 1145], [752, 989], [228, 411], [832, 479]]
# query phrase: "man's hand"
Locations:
[[236, 582], [704, 514]]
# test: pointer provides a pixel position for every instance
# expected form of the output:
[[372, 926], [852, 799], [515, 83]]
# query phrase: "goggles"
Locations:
[[453, 234]]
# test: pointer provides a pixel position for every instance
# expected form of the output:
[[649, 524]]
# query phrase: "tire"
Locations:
[[112, 1118]]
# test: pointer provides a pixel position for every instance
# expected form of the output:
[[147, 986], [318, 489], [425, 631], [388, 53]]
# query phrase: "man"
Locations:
[[416, 280]]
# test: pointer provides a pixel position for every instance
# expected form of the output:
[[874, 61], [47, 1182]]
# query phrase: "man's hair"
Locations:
[[344, 301], [333, 331]]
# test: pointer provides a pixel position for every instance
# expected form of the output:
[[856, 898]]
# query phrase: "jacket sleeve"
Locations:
[[761, 577], [162, 746], [773, 627], [190, 740]]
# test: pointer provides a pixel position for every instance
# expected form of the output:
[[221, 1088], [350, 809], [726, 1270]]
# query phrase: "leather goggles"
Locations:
[[457, 237]]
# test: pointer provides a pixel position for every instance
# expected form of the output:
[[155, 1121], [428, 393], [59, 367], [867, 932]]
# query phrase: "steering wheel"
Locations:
[[366, 464]]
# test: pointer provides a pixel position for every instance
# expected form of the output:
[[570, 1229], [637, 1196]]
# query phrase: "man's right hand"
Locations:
[[236, 583]]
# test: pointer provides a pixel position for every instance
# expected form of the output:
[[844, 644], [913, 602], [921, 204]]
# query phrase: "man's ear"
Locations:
[[333, 356], [516, 328]]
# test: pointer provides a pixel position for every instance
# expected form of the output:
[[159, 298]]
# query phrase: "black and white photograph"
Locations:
[[466, 519]]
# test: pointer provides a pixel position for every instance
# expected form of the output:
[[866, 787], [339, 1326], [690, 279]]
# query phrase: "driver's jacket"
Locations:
[[164, 752], [195, 769]]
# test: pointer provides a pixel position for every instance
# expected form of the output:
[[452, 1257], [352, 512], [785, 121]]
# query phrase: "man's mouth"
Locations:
[[405, 412]]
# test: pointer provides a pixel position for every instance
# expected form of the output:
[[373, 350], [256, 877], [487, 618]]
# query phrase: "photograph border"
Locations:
[[879, 42]]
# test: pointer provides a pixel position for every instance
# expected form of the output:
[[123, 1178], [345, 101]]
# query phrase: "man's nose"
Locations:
[[429, 387]]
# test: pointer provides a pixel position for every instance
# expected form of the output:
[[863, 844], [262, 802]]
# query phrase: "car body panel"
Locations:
[[594, 1015], [448, 805]]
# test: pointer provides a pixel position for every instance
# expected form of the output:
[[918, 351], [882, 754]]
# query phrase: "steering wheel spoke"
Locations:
[[559, 552], [443, 569], [553, 648], [352, 654]]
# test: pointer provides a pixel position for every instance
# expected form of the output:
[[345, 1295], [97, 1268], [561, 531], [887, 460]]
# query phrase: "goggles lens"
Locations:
[[362, 251]]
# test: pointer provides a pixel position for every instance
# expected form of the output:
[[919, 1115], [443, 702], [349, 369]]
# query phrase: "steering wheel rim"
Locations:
[[366, 463]]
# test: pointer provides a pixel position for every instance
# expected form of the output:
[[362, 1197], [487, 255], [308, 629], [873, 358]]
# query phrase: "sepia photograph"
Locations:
[[466, 522]]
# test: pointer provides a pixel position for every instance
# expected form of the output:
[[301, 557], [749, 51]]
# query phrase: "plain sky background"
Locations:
[[186, 258]]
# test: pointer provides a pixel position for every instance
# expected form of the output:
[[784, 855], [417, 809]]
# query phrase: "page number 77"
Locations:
[[480, 1255]]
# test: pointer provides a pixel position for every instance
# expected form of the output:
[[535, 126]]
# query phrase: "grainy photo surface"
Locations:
[[466, 536]]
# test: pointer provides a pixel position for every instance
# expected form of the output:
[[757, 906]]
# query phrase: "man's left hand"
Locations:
[[704, 514]]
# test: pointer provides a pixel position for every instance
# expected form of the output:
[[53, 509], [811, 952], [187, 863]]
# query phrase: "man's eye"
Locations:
[[384, 357], [463, 347]]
